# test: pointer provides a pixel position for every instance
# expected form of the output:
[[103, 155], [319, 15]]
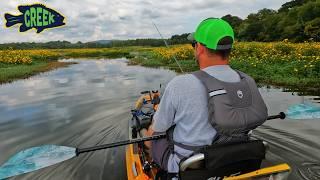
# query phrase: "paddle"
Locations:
[[306, 110], [36, 158], [47, 155]]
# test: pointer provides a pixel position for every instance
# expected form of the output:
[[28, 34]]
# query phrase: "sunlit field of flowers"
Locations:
[[27, 56], [15, 57], [280, 63], [295, 60]]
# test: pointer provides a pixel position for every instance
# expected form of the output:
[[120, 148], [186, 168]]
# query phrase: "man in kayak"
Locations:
[[199, 109]]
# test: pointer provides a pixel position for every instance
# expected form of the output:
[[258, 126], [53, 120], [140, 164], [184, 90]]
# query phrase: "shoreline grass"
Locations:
[[305, 86], [295, 66], [21, 64], [10, 73], [275, 79], [281, 64]]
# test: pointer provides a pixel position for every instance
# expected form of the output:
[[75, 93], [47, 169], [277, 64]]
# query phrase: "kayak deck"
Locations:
[[133, 165]]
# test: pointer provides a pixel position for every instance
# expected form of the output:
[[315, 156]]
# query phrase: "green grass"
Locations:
[[10, 72], [277, 74]]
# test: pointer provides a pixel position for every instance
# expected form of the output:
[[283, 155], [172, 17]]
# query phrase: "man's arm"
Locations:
[[164, 116]]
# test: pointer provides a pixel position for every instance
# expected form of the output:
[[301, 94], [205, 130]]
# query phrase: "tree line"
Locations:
[[176, 39], [296, 21]]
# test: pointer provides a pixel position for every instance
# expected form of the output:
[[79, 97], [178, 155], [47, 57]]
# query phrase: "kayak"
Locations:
[[139, 164]]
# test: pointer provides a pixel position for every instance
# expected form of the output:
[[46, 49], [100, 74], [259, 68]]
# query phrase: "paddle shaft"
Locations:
[[121, 143], [281, 115]]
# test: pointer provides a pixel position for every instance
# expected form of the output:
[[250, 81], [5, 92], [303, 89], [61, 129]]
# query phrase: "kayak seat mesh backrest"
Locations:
[[227, 159]]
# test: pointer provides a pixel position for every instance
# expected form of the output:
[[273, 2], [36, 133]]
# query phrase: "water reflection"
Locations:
[[89, 103], [86, 104]]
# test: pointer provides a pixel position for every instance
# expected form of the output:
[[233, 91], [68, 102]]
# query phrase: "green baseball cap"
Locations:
[[211, 31]]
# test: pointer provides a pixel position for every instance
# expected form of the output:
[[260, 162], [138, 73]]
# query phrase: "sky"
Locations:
[[90, 20]]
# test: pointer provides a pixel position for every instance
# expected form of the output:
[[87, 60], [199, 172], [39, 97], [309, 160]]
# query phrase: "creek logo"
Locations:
[[36, 16]]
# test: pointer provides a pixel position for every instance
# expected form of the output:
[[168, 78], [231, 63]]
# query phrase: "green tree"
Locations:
[[234, 21], [291, 4], [312, 29]]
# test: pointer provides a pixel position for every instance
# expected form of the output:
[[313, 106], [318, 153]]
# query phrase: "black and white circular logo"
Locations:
[[240, 94]]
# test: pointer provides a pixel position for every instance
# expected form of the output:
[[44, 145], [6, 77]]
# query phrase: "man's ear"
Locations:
[[201, 49]]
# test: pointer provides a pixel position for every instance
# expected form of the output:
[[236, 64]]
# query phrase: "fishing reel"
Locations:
[[147, 166]]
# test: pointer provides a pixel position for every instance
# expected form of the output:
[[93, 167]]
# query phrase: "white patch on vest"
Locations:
[[218, 92], [240, 94]]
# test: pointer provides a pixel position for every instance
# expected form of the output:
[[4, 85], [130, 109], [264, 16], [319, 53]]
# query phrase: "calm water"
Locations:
[[89, 103]]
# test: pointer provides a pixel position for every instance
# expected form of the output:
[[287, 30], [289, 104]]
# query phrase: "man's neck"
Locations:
[[208, 63]]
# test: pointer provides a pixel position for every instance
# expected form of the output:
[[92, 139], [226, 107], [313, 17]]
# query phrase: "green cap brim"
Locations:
[[191, 37]]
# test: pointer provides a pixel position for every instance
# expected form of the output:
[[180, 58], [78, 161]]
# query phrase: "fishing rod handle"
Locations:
[[121, 143], [281, 115]]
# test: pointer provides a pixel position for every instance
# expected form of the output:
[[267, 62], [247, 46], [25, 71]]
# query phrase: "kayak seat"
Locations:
[[141, 119], [218, 161], [145, 122]]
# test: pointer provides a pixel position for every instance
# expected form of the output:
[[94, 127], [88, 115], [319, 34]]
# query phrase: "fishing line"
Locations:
[[165, 42]]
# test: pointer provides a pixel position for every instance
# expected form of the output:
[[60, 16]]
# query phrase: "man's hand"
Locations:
[[149, 132]]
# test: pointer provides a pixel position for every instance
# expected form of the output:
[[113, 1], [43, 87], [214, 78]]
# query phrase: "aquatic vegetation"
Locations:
[[297, 60], [15, 64], [279, 63], [11, 56], [181, 52], [300, 57]]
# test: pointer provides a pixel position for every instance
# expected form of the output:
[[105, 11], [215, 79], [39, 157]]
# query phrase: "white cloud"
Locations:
[[89, 20]]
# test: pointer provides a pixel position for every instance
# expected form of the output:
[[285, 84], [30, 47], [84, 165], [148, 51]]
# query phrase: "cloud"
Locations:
[[89, 20]]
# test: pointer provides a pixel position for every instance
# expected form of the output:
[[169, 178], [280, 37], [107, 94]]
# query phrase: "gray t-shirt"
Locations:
[[184, 104]]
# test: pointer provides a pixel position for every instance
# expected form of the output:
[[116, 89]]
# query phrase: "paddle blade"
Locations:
[[35, 158], [303, 111]]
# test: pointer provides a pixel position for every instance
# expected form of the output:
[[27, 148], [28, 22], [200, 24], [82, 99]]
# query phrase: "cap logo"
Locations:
[[240, 94]]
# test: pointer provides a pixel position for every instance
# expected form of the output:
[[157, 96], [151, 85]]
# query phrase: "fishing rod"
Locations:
[[121, 143], [165, 42]]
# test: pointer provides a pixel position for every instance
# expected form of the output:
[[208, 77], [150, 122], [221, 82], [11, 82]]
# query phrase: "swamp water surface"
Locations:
[[89, 103]]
